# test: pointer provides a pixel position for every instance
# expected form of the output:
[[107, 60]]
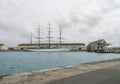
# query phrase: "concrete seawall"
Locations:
[[43, 76]]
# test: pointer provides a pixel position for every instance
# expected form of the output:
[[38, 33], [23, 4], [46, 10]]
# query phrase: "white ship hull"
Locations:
[[50, 50]]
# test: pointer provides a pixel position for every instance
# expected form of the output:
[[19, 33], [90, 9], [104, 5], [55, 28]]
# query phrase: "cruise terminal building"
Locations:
[[77, 46]]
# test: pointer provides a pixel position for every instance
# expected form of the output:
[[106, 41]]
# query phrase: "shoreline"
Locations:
[[43, 76], [59, 67]]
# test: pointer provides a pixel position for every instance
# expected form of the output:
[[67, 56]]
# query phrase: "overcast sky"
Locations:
[[82, 20]]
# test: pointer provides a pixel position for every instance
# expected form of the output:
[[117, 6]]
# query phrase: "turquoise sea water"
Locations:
[[17, 62]]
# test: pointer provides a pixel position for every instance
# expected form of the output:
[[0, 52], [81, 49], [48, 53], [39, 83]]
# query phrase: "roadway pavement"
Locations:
[[110, 75]]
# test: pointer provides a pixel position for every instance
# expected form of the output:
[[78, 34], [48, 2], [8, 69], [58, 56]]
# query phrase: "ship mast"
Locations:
[[60, 34], [39, 41], [31, 40], [49, 35]]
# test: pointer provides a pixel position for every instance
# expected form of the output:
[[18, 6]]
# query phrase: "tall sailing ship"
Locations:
[[50, 48]]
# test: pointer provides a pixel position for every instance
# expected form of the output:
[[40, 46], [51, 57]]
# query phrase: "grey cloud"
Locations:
[[82, 20], [90, 21]]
